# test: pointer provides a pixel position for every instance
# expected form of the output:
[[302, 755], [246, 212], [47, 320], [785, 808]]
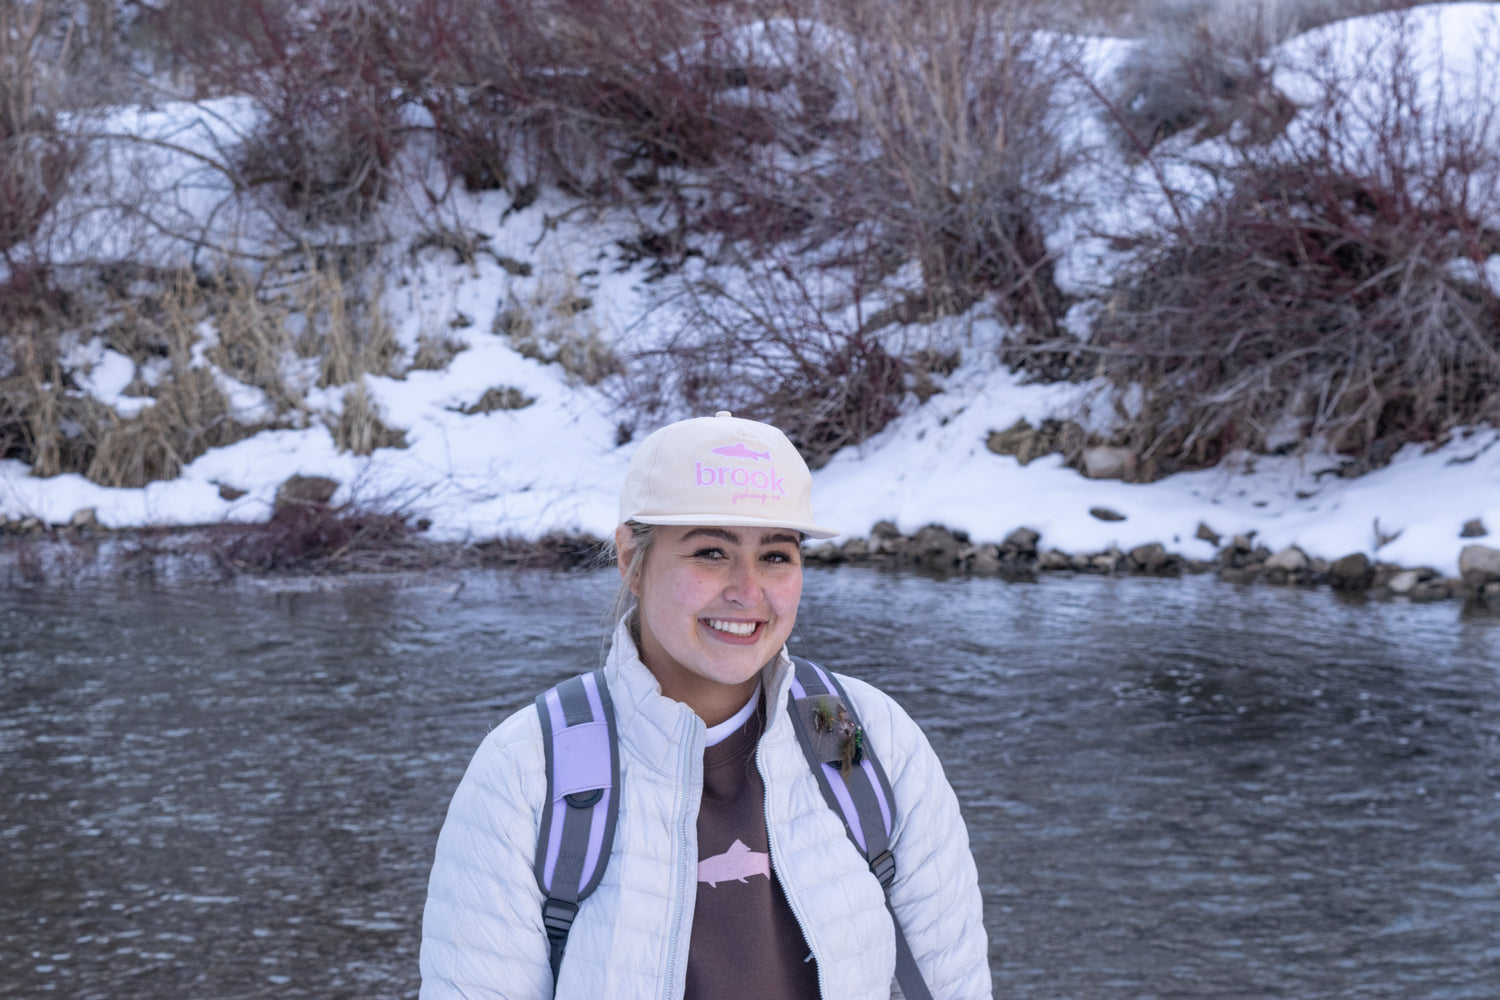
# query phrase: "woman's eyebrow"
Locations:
[[789, 538], [719, 533]]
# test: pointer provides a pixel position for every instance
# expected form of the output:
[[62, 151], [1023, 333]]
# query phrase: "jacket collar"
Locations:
[[655, 727]]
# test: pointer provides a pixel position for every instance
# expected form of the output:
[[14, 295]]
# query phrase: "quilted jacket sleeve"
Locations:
[[936, 893], [482, 933]]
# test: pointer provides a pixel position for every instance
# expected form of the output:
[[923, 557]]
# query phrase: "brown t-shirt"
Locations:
[[746, 943]]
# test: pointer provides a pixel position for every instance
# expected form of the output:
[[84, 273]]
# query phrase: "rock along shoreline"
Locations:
[[1021, 555], [35, 553]]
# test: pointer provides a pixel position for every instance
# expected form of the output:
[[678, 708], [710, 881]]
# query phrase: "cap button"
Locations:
[[723, 413]]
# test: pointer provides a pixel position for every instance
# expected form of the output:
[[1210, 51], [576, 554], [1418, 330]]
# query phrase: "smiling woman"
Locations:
[[727, 872]]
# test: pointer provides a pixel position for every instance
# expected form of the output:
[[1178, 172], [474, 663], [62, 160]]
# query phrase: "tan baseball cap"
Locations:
[[720, 470]]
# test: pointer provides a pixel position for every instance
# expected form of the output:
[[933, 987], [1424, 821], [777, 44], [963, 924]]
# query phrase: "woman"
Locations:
[[730, 876]]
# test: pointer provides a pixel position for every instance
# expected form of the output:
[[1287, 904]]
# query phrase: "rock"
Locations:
[[1491, 592], [856, 550], [1404, 582], [935, 547], [1026, 443], [1478, 565], [1022, 541], [1014, 440], [1053, 560], [1208, 534], [304, 491], [230, 493], [88, 517], [1108, 462], [1237, 574], [1105, 514], [824, 554], [1243, 543], [986, 560], [1352, 572], [1105, 562], [1290, 559], [1473, 529], [1152, 558], [1432, 590], [885, 529], [1080, 562]]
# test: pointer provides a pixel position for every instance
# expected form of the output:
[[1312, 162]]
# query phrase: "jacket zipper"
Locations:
[[693, 767], [791, 901]]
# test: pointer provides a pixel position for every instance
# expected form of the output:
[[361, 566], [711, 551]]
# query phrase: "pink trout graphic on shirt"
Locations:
[[740, 450], [738, 863]]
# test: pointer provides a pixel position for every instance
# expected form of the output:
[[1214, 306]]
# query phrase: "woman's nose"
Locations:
[[744, 587]]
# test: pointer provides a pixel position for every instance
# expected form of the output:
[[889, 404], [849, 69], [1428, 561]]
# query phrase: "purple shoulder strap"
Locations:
[[578, 818], [855, 786]]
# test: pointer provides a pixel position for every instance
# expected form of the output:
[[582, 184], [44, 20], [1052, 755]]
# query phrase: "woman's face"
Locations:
[[716, 604]]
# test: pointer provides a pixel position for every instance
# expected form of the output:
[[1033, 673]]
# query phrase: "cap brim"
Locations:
[[734, 521]]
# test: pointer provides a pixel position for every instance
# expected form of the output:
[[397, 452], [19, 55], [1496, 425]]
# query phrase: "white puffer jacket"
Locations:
[[482, 933]]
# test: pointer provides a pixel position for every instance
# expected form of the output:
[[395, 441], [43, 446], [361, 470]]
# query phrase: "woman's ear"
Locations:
[[624, 548]]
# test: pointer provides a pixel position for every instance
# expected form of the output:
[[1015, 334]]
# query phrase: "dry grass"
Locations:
[[554, 324], [358, 427], [435, 352], [344, 324]]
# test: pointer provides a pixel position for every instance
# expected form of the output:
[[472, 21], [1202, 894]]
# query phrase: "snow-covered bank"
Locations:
[[550, 464]]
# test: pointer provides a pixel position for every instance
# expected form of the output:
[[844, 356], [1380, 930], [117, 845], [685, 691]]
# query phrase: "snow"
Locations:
[[555, 466]]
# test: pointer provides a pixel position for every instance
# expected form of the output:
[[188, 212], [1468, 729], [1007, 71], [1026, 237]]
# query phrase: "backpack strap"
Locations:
[[583, 802], [855, 786]]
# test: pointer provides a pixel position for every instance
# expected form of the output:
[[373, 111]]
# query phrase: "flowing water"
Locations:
[[1174, 788]]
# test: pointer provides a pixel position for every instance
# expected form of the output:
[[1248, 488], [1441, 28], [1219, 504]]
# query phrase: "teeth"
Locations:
[[733, 628]]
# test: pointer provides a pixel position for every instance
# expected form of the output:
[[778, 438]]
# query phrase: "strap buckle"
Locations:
[[557, 915], [883, 865]]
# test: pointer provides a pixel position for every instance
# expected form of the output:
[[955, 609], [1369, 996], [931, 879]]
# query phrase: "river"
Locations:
[[1174, 788]]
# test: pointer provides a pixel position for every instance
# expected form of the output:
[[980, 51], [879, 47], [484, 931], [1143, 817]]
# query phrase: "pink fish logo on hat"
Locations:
[[738, 863], [739, 450]]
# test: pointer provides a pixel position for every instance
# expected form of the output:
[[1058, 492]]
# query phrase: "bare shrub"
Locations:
[[1333, 287], [317, 538], [772, 355], [321, 75], [36, 156]]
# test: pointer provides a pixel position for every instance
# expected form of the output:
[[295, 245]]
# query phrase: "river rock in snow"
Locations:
[[1290, 560], [1353, 572], [1152, 558], [1473, 529], [304, 491], [1108, 462], [1021, 542], [1404, 582], [1479, 565]]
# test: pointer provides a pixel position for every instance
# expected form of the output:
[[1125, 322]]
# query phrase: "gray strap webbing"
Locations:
[[579, 815], [861, 794]]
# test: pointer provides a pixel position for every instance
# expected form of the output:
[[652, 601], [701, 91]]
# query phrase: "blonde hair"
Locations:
[[642, 541]]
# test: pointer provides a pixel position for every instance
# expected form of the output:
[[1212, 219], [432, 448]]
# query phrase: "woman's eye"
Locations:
[[779, 557], [711, 554]]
